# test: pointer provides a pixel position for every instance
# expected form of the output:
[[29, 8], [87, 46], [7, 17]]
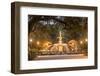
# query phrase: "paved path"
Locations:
[[49, 57]]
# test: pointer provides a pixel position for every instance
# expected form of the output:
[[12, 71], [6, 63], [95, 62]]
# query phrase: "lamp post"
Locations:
[[30, 42], [86, 40], [81, 42], [38, 43]]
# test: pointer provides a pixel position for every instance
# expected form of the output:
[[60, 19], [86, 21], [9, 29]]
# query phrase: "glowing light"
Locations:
[[30, 40], [38, 42], [81, 42], [86, 40], [46, 44], [60, 48]]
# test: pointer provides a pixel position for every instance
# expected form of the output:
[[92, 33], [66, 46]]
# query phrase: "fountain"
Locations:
[[60, 46]]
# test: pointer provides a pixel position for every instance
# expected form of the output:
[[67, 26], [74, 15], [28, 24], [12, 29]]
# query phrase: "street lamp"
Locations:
[[38, 42], [81, 42], [86, 40], [30, 40]]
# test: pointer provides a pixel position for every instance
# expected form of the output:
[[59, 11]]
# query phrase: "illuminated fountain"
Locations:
[[60, 46]]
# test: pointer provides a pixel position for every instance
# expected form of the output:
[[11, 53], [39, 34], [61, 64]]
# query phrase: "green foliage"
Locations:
[[32, 54]]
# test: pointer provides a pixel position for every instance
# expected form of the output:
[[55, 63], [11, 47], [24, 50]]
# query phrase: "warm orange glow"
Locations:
[[86, 40], [60, 48], [38, 42], [81, 42], [30, 40], [47, 44]]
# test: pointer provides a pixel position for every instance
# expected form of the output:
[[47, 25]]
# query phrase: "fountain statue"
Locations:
[[60, 37]]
